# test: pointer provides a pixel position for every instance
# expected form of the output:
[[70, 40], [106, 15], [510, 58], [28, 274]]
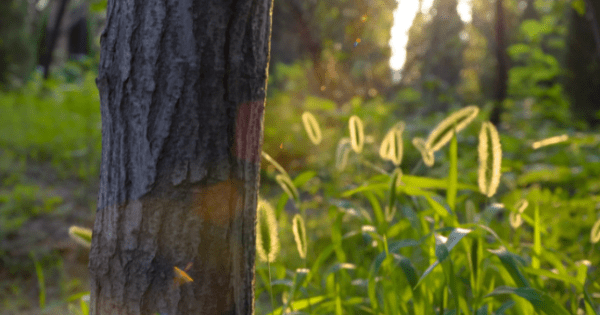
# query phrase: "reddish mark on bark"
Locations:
[[248, 131]]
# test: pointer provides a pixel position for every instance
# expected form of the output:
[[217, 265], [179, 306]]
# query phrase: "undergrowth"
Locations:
[[482, 239]]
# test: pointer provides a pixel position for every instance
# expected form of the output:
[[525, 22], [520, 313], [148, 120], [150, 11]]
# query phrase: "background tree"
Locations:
[[346, 42], [17, 49], [416, 47], [484, 21], [502, 64], [182, 91], [583, 63], [434, 54]]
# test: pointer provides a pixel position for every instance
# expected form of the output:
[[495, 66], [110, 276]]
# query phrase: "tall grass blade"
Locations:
[[504, 307], [443, 248], [541, 301], [301, 304], [537, 237], [409, 270], [274, 163], [511, 264], [453, 173], [395, 181], [39, 272], [288, 186]]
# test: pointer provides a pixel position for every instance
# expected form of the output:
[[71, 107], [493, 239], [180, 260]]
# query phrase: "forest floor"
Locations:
[[44, 236]]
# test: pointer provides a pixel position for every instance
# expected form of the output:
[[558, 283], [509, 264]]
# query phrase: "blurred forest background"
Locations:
[[531, 66]]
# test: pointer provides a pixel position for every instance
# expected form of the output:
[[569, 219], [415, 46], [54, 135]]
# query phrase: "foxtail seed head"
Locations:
[[595, 233], [312, 127], [549, 141], [299, 229], [490, 153], [341, 153], [392, 146], [357, 133], [426, 152], [267, 238], [442, 133], [81, 235]]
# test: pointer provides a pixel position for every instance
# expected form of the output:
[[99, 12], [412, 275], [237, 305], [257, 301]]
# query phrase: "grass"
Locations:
[[364, 230], [429, 255]]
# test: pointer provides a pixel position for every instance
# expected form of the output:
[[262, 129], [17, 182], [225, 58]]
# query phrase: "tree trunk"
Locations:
[[502, 65], [182, 93], [47, 57]]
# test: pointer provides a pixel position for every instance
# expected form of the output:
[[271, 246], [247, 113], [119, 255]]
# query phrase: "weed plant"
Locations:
[[482, 238]]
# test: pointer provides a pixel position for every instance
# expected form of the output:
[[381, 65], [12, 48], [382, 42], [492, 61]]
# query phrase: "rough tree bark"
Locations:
[[182, 92]]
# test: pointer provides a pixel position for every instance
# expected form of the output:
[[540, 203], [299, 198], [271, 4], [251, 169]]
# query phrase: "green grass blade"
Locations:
[[442, 250], [301, 304], [453, 174], [41, 281], [303, 178], [483, 310], [504, 307], [511, 264], [562, 277], [409, 270], [433, 183], [377, 211], [590, 302], [537, 237], [323, 256], [274, 163], [541, 301]]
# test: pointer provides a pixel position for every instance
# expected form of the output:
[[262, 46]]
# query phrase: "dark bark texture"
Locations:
[[182, 93]]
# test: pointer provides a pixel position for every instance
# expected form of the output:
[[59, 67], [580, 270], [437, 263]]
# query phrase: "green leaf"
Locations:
[[98, 6], [408, 269], [579, 6], [301, 304], [379, 215], [511, 263], [442, 250], [303, 178], [453, 174], [545, 273], [433, 183], [504, 307], [537, 237], [541, 301], [288, 186]]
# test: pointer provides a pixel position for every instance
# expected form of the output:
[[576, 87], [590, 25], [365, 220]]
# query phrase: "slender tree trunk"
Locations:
[[502, 66], [47, 57], [182, 92]]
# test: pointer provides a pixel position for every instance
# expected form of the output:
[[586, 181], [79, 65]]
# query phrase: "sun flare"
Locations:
[[403, 18]]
